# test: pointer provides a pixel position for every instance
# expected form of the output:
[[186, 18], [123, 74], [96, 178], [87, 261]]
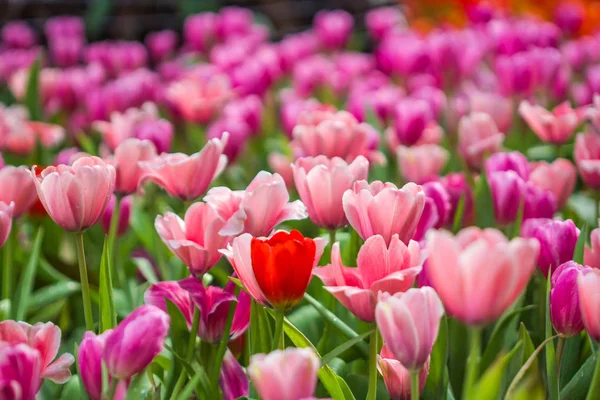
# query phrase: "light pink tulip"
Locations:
[[282, 165], [383, 209], [135, 342], [200, 99], [17, 186], [239, 255], [321, 183], [45, 338], [123, 125], [285, 374], [381, 267], [20, 370], [593, 113], [556, 126], [409, 323], [187, 177], [589, 300], [19, 135], [478, 137], [195, 240], [559, 177], [6, 215], [127, 156], [397, 377], [258, 209], [587, 158], [75, 196], [591, 254], [479, 273], [421, 164], [499, 107]]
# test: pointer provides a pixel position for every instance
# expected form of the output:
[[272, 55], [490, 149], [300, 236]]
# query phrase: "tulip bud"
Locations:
[[232, 380], [397, 377], [588, 285], [565, 310]]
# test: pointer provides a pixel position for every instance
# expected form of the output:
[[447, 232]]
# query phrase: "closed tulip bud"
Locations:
[[285, 374], [333, 28], [421, 164], [409, 323], [507, 190], [410, 120], [397, 377], [565, 311], [510, 161], [20, 367], [587, 158], [199, 31], [135, 342], [588, 285], [233, 380], [559, 177], [161, 45], [478, 137], [124, 214], [17, 187]]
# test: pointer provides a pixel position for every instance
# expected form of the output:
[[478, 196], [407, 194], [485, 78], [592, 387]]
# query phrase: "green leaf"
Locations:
[[577, 387], [458, 216], [490, 384], [179, 331], [187, 391], [47, 272], [484, 210], [72, 389], [528, 346], [326, 359], [135, 389], [437, 380], [570, 359], [95, 15], [261, 334], [580, 245], [49, 294], [551, 375], [542, 152], [32, 94], [108, 315], [23, 294], [146, 269]]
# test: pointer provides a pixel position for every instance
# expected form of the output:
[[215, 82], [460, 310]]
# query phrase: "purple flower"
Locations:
[[557, 241]]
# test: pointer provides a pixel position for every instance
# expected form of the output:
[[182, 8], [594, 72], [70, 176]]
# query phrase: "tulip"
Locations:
[[568, 16], [159, 132], [381, 267], [257, 210], [436, 210], [565, 310], [498, 107], [128, 154], [421, 164], [593, 113], [233, 21], [238, 135], [588, 285], [553, 127], [383, 209], [287, 374], [457, 187], [515, 74], [587, 158], [123, 215], [293, 107], [333, 28], [478, 137], [17, 187], [232, 380], [410, 120], [409, 323], [135, 342], [559, 177], [591, 254], [20, 367], [539, 203], [18, 35], [6, 215], [275, 271], [507, 190], [248, 109], [397, 377], [199, 31], [199, 100], [214, 303], [45, 338], [161, 44], [383, 20], [282, 165], [158, 292], [321, 183], [124, 125], [468, 271], [187, 177], [75, 196]]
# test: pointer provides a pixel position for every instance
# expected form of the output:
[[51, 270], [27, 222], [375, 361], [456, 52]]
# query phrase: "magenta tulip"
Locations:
[[233, 380], [20, 370], [565, 311]]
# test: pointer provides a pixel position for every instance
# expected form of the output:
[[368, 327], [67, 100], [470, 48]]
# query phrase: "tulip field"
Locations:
[[367, 209]]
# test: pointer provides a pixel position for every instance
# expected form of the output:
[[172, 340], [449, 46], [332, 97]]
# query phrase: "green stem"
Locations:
[[372, 393], [594, 392], [214, 376], [190, 353], [414, 385], [85, 286], [113, 245], [7, 268], [472, 362], [560, 346], [330, 304], [278, 337]]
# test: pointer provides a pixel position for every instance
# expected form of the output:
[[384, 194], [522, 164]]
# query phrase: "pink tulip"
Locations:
[[282, 165], [6, 215], [233, 380], [20, 370], [478, 137], [258, 209], [556, 126], [333, 28], [45, 338], [239, 255], [321, 183], [195, 240], [285, 374], [124, 214], [591, 254], [383, 209], [479, 273], [559, 177], [381, 21], [381, 267], [124, 125], [17, 186], [593, 113], [409, 323], [397, 377], [498, 107], [135, 342], [587, 158], [337, 135], [565, 310], [128, 154], [75, 196], [199, 100], [199, 31], [421, 164], [589, 299], [158, 292], [187, 177], [161, 45]]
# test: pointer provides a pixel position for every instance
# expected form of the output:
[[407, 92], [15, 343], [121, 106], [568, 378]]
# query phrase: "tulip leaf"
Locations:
[[200, 378], [146, 269], [326, 359], [261, 336], [32, 93], [570, 359], [578, 386], [437, 380], [108, 316], [458, 215], [527, 365], [490, 384], [95, 15], [551, 375], [528, 346], [484, 210], [47, 272], [580, 245], [23, 294], [49, 294], [72, 389]]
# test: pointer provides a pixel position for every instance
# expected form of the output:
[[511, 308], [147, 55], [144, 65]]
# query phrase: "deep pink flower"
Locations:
[[233, 380], [161, 45], [565, 311], [199, 31], [18, 35], [333, 28], [20, 372], [499, 107], [199, 100], [387, 268], [383, 20], [124, 214], [397, 377], [411, 118]]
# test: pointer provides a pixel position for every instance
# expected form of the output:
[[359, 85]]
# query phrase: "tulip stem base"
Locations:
[[594, 392], [214, 376], [190, 353], [85, 286], [560, 346], [372, 392], [278, 339], [7, 267], [414, 385], [472, 371]]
